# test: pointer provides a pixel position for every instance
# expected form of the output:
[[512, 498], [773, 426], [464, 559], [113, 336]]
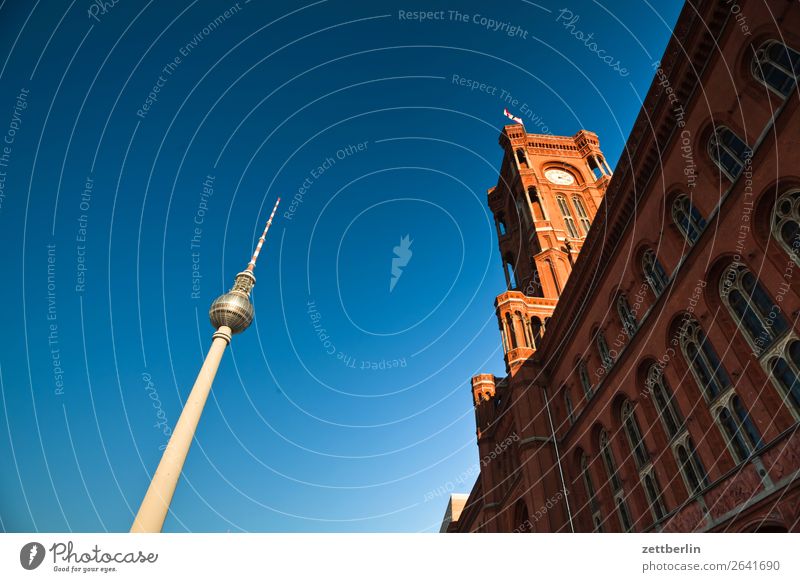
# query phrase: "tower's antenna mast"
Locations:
[[230, 313], [252, 264]]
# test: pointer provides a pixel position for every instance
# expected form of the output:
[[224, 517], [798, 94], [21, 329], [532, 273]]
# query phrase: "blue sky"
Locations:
[[345, 406]]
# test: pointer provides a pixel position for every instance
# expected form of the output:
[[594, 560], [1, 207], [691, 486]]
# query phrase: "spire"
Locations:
[[252, 264]]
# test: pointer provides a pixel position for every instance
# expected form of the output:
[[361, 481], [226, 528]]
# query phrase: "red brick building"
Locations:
[[653, 361]]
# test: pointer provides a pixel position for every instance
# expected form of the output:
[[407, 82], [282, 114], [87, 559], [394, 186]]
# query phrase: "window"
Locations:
[[654, 273], [664, 401], [590, 493], [522, 160], [751, 307], [511, 279], [784, 365], [512, 332], [776, 65], [602, 348], [728, 151], [626, 316], [583, 217], [586, 384], [654, 495], [608, 462], [687, 218], [634, 434], [501, 225], [740, 432], [786, 223], [538, 206], [568, 407], [568, 220], [624, 516], [703, 360], [554, 276], [690, 466]]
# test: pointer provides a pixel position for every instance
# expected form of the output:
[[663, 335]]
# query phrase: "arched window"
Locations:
[[568, 407], [728, 151], [522, 160], [583, 216], [752, 308], [586, 384], [703, 360], [687, 218], [568, 220], [538, 205], [740, 432], [654, 495], [603, 351], [786, 223], [654, 273], [634, 434], [777, 65], [626, 316], [691, 468], [664, 400]]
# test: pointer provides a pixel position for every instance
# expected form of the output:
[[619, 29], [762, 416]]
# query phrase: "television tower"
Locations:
[[230, 313]]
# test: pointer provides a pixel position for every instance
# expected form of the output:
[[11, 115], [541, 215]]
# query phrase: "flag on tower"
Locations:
[[512, 117]]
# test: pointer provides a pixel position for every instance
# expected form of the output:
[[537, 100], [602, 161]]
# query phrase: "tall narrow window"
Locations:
[[568, 407], [626, 315], [588, 484], [634, 434], [654, 495], [777, 66], [687, 218], [728, 151], [608, 462], [501, 225], [586, 384], [703, 360], [522, 160], [554, 275], [690, 466], [654, 273], [603, 351], [786, 223], [568, 220], [740, 432], [511, 279], [538, 205], [784, 366], [624, 515], [752, 308], [664, 400], [583, 216], [512, 332]]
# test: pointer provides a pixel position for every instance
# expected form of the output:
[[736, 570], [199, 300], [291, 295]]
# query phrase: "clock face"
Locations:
[[559, 177]]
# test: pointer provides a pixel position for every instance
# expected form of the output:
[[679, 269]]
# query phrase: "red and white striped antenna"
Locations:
[[252, 264]]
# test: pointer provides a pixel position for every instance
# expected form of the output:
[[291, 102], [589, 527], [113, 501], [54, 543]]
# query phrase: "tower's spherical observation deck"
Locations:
[[232, 309]]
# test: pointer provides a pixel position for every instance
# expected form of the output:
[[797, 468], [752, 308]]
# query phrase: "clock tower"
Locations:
[[548, 192]]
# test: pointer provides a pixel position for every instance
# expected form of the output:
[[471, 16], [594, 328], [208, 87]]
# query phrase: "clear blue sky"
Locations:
[[293, 438]]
